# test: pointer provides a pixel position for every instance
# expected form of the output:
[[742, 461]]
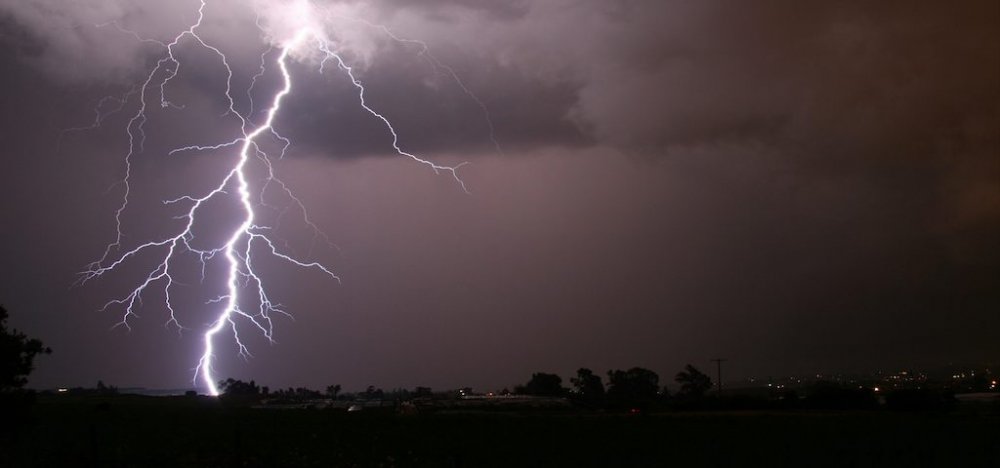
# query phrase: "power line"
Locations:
[[718, 363]]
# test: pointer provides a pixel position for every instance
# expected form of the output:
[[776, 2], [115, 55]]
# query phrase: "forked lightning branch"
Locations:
[[245, 299]]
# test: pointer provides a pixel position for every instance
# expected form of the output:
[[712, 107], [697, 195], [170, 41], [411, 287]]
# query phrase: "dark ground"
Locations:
[[199, 432]]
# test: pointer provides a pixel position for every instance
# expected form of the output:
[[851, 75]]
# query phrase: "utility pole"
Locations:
[[718, 365]]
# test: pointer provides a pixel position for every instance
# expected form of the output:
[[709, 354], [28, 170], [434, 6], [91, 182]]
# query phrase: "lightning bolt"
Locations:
[[424, 51], [243, 283]]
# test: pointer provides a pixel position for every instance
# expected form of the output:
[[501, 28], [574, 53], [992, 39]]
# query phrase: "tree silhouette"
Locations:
[[587, 385], [373, 393], [232, 386], [332, 391], [694, 383], [103, 389], [636, 386], [542, 384], [17, 355]]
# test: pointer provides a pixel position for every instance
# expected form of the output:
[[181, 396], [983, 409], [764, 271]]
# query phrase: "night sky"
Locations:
[[798, 187]]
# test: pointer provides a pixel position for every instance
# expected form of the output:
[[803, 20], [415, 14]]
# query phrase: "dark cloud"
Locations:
[[434, 100], [850, 78], [444, 10], [429, 109]]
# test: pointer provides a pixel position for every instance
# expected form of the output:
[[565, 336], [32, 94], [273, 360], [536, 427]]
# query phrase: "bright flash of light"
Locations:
[[238, 250]]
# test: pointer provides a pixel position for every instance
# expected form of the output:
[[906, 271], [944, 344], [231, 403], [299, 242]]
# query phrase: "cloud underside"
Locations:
[[903, 91]]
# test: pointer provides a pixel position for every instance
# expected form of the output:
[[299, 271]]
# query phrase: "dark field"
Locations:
[[148, 431]]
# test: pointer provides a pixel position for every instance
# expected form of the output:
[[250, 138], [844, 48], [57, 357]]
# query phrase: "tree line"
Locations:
[[633, 388], [636, 387]]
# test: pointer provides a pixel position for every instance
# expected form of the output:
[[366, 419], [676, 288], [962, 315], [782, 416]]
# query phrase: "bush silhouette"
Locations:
[[17, 355]]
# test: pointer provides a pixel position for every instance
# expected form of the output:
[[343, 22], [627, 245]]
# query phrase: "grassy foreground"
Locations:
[[199, 432]]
